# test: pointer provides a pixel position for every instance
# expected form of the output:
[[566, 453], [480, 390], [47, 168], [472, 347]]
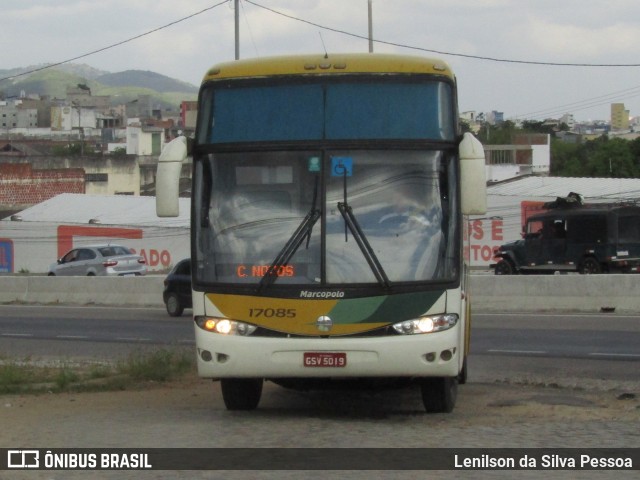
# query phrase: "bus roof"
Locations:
[[331, 64]]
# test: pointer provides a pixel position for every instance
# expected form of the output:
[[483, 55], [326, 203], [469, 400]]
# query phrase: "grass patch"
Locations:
[[140, 368], [157, 366]]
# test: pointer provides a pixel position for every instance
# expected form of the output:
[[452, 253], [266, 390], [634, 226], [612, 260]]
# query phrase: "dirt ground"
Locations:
[[190, 413], [52, 420]]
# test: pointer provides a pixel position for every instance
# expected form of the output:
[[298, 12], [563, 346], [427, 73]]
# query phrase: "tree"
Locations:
[[73, 149], [464, 126], [535, 126], [612, 158], [501, 134], [567, 159]]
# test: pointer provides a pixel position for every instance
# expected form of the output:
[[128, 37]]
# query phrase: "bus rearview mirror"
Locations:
[[168, 177], [473, 178]]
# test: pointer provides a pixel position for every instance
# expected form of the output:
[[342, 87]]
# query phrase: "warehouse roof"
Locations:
[[591, 189], [104, 209]]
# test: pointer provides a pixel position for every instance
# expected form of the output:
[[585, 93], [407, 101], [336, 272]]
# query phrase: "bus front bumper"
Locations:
[[426, 355]]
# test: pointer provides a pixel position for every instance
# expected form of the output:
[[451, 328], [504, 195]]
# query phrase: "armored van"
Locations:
[[589, 238]]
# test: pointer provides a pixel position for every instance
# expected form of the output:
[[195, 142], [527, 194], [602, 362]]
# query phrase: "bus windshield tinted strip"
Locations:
[[350, 111]]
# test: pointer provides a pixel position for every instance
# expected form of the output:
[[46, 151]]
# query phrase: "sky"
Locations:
[[518, 57]]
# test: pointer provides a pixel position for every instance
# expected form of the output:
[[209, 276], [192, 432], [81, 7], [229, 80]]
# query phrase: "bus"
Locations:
[[329, 201]]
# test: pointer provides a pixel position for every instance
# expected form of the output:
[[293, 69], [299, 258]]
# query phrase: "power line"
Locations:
[[575, 105], [331, 29], [175, 22], [441, 52], [580, 105], [584, 104], [246, 19]]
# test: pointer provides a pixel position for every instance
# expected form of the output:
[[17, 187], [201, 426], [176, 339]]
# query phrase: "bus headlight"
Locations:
[[224, 326], [426, 324]]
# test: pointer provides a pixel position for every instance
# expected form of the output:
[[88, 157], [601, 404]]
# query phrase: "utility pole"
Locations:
[[237, 21], [370, 26]]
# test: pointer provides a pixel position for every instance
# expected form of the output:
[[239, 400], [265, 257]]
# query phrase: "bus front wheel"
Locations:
[[241, 393], [439, 394]]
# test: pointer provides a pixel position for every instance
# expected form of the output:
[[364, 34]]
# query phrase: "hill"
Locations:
[[145, 79], [122, 86]]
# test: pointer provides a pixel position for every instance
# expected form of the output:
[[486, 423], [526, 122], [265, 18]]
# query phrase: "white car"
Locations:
[[99, 260]]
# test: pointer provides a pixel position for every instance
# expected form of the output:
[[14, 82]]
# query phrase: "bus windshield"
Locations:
[[256, 207]]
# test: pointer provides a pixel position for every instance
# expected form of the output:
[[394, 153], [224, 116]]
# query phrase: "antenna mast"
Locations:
[[237, 21], [370, 26]]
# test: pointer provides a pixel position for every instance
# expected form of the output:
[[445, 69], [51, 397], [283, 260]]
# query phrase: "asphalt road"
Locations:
[[594, 346], [594, 336]]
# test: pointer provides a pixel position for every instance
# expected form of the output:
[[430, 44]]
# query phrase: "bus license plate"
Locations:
[[325, 359]]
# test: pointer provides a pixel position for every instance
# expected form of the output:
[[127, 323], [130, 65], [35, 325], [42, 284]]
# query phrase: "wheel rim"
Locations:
[[503, 268], [590, 267], [172, 304]]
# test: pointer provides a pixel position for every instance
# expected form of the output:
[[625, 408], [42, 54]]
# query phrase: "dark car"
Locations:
[[177, 288], [595, 238]]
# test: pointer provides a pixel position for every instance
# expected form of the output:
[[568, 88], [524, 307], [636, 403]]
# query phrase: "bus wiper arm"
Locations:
[[290, 248], [365, 247]]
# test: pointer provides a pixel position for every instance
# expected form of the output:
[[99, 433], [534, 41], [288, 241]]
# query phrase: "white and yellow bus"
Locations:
[[328, 202]]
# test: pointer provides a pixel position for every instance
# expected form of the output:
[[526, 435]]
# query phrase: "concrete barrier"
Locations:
[[490, 293], [129, 291], [541, 293]]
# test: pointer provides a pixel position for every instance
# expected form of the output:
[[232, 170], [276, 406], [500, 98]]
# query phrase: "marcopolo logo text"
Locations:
[[326, 294]]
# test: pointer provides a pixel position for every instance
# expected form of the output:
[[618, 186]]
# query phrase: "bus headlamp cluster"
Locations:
[[224, 326], [426, 324]]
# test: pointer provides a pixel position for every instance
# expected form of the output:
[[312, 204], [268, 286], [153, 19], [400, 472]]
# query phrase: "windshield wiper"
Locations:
[[365, 247], [290, 248], [352, 224]]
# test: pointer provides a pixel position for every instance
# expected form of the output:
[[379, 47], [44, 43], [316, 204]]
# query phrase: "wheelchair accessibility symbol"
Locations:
[[341, 166]]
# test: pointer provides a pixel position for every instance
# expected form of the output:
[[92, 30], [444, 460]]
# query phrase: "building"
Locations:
[[28, 177], [21, 185], [494, 117], [188, 115], [13, 114], [569, 120], [143, 139], [34, 238], [530, 154], [67, 118], [619, 117]]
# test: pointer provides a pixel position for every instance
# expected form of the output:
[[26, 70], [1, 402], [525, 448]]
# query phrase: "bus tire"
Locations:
[[439, 394], [462, 376], [241, 393]]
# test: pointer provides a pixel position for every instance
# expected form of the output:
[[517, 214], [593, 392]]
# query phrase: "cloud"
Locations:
[[574, 31], [577, 43]]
